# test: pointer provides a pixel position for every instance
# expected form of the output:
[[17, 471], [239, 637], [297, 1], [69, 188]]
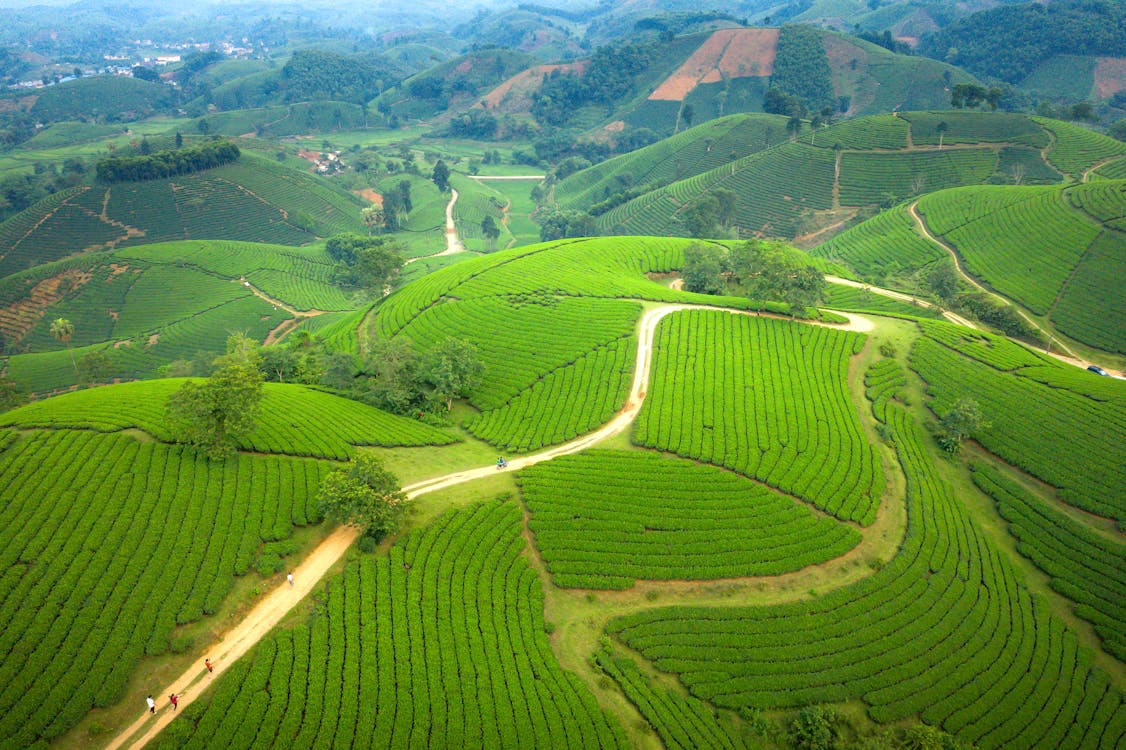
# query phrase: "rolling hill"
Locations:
[[816, 183], [254, 199], [669, 587]]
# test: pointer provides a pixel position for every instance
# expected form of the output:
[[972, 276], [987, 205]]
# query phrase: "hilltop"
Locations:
[[813, 184], [254, 199]]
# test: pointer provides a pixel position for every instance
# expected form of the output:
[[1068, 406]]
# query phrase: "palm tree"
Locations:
[[62, 329]]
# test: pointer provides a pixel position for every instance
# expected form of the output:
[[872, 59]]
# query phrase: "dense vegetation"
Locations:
[[1009, 41], [167, 163], [801, 67]]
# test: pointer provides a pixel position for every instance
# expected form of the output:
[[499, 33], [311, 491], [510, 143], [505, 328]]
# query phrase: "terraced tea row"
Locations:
[[945, 630], [440, 642], [135, 539], [768, 399], [294, 420], [883, 382], [878, 247], [1084, 566], [603, 519], [1086, 466]]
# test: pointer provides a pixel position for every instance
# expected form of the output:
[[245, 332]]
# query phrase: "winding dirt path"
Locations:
[[277, 603], [286, 325], [922, 225], [453, 243]]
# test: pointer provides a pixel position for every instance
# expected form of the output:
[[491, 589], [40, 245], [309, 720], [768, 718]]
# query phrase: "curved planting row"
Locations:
[[988, 348], [1105, 201], [885, 380], [768, 399], [439, 643], [1026, 250], [1026, 424], [1076, 148], [875, 132], [521, 340], [974, 127], [682, 722], [565, 403], [946, 630], [888, 240], [855, 299], [108, 545], [1085, 566], [1092, 308], [294, 419], [868, 178], [603, 519]]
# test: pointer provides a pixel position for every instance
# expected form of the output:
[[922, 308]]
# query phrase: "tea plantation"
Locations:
[[775, 529]]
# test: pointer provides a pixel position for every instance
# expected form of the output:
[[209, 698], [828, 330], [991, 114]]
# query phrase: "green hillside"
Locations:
[[143, 307], [821, 178], [1057, 251], [775, 529], [100, 99], [143, 538], [255, 199]]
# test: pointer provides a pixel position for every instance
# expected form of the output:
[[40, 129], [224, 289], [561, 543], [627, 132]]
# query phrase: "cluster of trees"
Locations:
[[167, 163], [366, 263], [801, 67], [394, 211], [971, 95], [607, 79], [1009, 42], [559, 223], [712, 213], [319, 75], [364, 494], [762, 270], [464, 78], [943, 282], [474, 123], [20, 191]]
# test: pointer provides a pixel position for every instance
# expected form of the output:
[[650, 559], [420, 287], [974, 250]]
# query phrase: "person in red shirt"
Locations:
[[207, 663], [174, 700]]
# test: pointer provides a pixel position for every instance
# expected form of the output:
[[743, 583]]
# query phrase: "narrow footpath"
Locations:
[[277, 603], [453, 243]]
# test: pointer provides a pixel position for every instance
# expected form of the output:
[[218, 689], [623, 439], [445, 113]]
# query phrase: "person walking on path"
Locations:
[[174, 700], [152, 704], [207, 663], [290, 579]]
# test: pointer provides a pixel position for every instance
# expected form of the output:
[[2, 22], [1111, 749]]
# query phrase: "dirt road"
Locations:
[[453, 243], [276, 604]]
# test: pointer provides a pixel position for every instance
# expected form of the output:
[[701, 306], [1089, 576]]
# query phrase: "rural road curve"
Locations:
[[276, 604], [453, 244], [974, 283]]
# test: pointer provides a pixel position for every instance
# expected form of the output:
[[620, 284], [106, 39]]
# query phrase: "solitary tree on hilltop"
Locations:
[[62, 329], [211, 415]]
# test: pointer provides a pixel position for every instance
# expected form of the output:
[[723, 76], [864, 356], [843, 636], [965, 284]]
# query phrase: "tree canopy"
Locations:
[[767, 270], [212, 414], [363, 494]]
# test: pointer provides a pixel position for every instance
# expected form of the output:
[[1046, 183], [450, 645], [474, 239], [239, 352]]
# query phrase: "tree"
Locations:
[[1118, 129], [813, 729], [441, 176], [942, 127], [95, 367], [993, 97], [773, 271], [377, 266], [702, 216], [942, 280], [179, 139], [793, 127], [454, 369], [363, 494], [211, 415], [704, 266], [62, 329], [489, 228], [962, 420], [10, 396]]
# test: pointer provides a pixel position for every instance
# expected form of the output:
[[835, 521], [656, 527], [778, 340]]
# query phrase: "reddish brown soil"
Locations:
[[516, 93], [727, 53], [370, 195], [19, 317], [1110, 76]]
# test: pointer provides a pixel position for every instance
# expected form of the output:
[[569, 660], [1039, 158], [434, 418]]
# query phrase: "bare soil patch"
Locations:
[[750, 53], [515, 94], [370, 195], [18, 318], [1110, 76], [727, 53]]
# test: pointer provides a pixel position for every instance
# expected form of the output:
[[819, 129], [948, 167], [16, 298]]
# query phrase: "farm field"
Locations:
[[790, 184], [148, 305], [1066, 268], [253, 199], [791, 538]]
